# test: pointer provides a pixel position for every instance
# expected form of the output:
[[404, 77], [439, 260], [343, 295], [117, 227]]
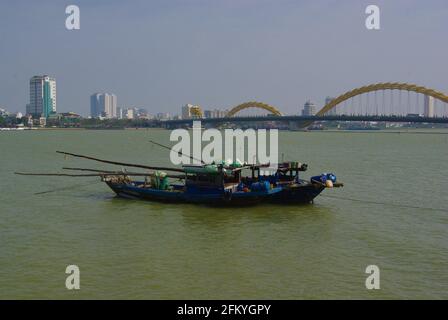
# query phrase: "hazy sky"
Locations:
[[162, 54]]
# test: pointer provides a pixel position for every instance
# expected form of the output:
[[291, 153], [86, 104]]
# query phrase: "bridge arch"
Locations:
[[254, 104], [382, 86]]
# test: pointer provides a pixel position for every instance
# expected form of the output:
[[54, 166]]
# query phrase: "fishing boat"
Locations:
[[220, 184], [203, 184], [210, 184]]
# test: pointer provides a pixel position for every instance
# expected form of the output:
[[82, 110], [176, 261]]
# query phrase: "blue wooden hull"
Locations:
[[292, 194], [208, 196]]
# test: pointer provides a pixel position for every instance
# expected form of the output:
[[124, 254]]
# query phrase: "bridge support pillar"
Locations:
[[209, 125], [294, 125]]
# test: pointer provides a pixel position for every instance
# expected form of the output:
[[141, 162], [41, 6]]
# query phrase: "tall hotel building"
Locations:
[[309, 109], [42, 96], [428, 110], [103, 105]]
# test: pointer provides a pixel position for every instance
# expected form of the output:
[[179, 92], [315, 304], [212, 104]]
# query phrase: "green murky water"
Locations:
[[135, 249]]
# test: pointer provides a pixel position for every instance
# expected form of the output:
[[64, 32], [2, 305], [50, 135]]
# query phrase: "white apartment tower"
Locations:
[[309, 109], [186, 111], [429, 107]]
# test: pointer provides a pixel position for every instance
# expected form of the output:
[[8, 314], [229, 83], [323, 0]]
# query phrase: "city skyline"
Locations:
[[231, 55], [42, 93], [104, 105]]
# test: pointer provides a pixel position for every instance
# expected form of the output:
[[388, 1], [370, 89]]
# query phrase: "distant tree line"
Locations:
[[12, 121], [116, 123]]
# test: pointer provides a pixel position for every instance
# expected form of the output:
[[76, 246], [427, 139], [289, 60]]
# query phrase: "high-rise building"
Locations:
[[103, 105], [42, 96], [186, 111], [95, 109], [429, 107], [110, 103], [309, 109], [120, 112]]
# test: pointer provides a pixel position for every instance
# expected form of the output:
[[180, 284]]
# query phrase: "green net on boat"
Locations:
[[159, 180]]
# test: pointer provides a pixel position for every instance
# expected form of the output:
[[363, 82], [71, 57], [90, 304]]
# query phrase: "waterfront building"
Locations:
[[163, 116], [103, 105], [141, 113], [42, 122], [42, 96], [129, 113], [429, 107], [145, 116], [64, 119], [132, 113], [309, 109]]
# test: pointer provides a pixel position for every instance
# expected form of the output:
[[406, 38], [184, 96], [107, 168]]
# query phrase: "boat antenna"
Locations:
[[178, 152]]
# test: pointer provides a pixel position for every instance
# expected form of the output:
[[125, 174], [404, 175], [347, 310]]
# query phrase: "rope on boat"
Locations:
[[385, 203]]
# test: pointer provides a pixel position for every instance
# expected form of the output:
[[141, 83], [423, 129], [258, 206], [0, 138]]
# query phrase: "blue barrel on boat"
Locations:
[[266, 186], [256, 186], [260, 186], [324, 177], [331, 176]]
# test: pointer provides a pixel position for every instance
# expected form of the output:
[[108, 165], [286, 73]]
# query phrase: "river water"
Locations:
[[392, 213]]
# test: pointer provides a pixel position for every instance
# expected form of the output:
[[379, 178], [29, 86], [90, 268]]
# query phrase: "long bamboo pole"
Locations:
[[89, 170], [58, 174], [121, 163], [100, 174], [126, 173]]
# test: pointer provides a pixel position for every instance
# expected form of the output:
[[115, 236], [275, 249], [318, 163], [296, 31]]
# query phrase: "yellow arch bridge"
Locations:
[[253, 104], [346, 96], [325, 114]]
